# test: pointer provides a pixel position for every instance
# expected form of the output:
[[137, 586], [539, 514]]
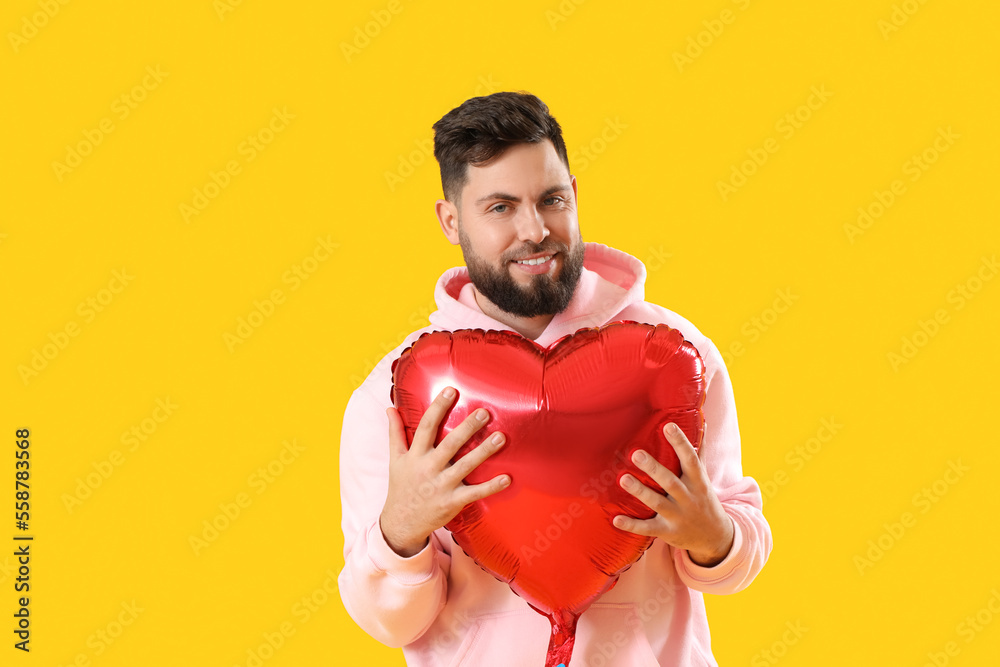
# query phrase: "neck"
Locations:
[[529, 327]]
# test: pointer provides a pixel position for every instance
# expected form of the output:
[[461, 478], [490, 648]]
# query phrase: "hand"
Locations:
[[425, 491], [690, 516]]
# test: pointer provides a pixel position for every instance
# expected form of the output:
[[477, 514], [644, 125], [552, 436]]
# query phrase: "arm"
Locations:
[[392, 598], [740, 496], [394, 581], [712, 517]]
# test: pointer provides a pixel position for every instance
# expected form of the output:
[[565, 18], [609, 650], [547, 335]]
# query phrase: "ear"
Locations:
[[572, 180], [447, 215]]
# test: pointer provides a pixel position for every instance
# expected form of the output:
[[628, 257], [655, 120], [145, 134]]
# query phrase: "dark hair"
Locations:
[[482, 128]]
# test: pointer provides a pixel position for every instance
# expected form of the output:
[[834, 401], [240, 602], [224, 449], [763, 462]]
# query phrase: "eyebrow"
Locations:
[[509, 197]]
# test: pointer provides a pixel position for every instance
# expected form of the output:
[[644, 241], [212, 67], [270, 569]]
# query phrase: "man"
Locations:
[[510, 202]]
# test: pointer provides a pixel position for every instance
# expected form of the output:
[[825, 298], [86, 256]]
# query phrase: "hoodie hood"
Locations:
[[610, 281]]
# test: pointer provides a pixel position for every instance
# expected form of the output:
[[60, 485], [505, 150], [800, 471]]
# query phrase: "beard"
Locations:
[[543, 296]]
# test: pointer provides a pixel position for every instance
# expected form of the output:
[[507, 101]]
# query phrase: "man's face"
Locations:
[[522, 206]]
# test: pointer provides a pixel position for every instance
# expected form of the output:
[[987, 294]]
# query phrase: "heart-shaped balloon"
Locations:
[[573, 414]]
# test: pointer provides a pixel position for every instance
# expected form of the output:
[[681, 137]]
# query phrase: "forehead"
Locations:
[[522, 169]]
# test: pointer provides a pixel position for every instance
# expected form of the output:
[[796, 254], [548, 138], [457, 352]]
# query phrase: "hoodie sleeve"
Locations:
[[740, 496], [392, 598]]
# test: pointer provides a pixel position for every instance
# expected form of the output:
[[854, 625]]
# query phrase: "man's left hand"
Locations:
[[690, 516]]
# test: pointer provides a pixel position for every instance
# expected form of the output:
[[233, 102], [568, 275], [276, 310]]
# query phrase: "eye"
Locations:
[[499, 208], [553, 199]]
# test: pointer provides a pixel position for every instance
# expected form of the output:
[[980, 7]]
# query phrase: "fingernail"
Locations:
[[640, 457], [448, 392], [504, 481], [481, 415], [673, 428], [497, 438]]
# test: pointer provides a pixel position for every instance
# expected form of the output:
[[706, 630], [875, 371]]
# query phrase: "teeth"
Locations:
[[533, 262]]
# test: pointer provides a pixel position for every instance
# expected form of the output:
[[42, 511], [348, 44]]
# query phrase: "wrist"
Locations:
[[404, 546], [712, 556]]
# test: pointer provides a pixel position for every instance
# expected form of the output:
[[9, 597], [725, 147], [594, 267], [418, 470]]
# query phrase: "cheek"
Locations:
[[493, 243], [563, 221]]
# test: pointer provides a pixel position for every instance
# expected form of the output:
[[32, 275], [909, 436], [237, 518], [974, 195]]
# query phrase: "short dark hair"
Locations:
[[482, 128]]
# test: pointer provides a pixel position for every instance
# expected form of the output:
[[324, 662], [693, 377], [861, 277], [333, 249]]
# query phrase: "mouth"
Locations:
[[535, 260], [536, 264]]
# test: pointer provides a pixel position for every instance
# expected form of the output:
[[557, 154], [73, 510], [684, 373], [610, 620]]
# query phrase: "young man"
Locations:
[[510, 202]]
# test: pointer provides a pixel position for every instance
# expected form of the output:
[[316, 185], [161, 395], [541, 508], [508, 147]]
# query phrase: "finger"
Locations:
[[648, 527], [471, 461], [470, 493], [430, 421], [651, 499], [459, 435], [691, 466], [661, 474], [397, 434]]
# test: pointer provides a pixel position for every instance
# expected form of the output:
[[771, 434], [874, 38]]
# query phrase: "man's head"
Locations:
[[482, 128], [509, 196]]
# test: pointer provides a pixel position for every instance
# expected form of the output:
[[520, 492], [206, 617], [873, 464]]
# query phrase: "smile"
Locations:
[[534, 262], [535, 265]]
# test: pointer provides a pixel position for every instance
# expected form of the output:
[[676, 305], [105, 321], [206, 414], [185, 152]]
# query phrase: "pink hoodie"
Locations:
[[445, 611]]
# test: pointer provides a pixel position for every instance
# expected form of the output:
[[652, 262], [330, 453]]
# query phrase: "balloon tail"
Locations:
[[562, 640]]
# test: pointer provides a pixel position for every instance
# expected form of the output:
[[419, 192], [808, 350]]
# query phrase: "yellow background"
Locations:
[[353, 167]]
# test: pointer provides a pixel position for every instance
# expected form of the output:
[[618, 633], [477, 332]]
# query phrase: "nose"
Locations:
[[531, 225]]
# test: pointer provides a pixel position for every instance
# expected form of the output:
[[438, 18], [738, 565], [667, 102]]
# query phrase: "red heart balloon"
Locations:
[[573, 414]]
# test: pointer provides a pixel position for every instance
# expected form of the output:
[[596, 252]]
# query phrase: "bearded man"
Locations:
[[510, 202]]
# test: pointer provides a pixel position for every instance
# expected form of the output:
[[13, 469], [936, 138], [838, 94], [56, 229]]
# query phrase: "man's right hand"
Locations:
[[425, 490]]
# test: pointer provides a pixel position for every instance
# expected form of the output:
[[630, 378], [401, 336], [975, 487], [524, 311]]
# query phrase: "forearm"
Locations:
[[394, 599], [750, 549], [739, 495]]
